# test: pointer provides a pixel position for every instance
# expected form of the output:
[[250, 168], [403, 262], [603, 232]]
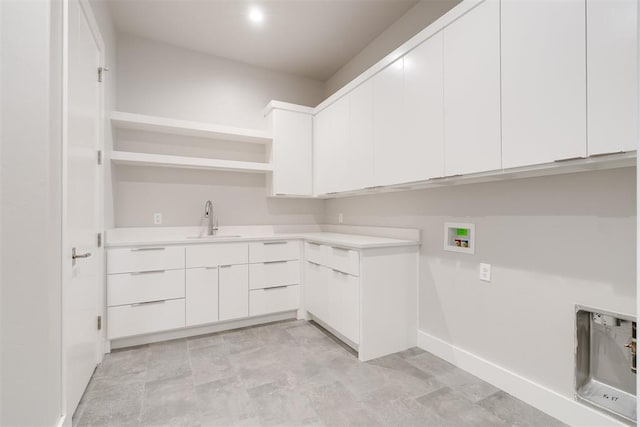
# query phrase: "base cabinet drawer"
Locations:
[[145, 318], [217, 254], [279, 250], [274, 273], [345, 260], [131, 288], [274, 300], [315, 252], [127, 260]]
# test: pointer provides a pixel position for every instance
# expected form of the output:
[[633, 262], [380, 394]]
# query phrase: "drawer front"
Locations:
[[128, 260], [274, 273], [345, 260], [217, 254], [274, 300], [128, 320], [315, 252], [282, 250], [130, 288]]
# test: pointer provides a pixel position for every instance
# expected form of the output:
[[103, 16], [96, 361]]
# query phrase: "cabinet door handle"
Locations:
[[313, 243], [147, 249], [340, 272], [212, 268], [274, 262], [338, 248], [275, 287], [136, 273], [275, 243], [138, 304], [225, 266], [314, 263]]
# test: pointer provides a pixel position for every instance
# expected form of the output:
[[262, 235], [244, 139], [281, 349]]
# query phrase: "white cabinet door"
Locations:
[[420, 154], [330, 138], [359, 147], [292, 153], [472, 91], [316, 290], [612, 75], [543, 81], [201, 295], [388, 124], [233, 292], [344, 304]]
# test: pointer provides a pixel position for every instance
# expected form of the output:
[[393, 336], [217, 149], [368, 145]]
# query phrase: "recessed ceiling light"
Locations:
[[256, 15]]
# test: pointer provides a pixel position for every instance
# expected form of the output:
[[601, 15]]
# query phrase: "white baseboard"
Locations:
[[555, 404]]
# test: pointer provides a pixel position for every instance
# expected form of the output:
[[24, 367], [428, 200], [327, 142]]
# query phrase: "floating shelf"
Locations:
[[162, 160], [143, 122]]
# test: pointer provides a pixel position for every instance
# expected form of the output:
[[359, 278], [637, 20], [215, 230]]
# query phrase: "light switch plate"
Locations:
[[157, 218], [485, 272]]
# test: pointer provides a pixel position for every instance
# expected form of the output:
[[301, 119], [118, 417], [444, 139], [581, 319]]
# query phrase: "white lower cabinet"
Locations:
[[233, 291], [344, 304], [145, 318], [367, 297], [201, 295], [274, 300]]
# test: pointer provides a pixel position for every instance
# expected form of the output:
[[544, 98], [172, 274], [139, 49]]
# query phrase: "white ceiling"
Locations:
[[311, 38]]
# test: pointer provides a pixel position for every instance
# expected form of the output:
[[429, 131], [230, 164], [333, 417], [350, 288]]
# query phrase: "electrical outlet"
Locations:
[[157, 218], [485, 272], [340, 218]]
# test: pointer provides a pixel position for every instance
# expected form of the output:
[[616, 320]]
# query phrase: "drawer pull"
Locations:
[[340, 272], [147, 249], [275, 262], [225, 266], [136, 273], [275, 243], [314, 243], [314, 263], [338, 248], [138, 304], [211, 268], [275, 287]]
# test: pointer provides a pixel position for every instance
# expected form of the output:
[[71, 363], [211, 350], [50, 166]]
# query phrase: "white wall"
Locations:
[[30, 212], [159, 79], [412, 22], [553, 242]]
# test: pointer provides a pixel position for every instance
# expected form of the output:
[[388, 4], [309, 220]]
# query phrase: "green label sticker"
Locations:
[[462, 231]]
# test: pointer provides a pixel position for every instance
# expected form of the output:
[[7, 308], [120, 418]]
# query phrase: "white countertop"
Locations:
[[145, 236]]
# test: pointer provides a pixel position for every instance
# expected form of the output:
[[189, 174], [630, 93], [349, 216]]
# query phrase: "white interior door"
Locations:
[[82, 290]]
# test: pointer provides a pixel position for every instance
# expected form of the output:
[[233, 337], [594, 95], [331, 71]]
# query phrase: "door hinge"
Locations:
[[99, 157], [99, 323], [99, 240], [101, 71]]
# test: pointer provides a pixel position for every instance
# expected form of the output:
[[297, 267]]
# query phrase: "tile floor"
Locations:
[[289, 373]]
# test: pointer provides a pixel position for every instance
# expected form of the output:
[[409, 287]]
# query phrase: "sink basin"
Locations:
[[220, 236]]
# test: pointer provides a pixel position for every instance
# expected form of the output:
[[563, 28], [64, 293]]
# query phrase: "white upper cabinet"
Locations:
[[421, 151], [291, 153], [472, 91], [612, 75], [388, 124], [359, 147], [543, 81], [331, 132]]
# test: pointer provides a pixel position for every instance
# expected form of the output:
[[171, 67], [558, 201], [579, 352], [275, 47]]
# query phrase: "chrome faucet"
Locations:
[[212, 222]]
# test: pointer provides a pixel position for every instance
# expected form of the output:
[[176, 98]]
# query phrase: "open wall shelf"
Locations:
[[161, 160], [143, 122]]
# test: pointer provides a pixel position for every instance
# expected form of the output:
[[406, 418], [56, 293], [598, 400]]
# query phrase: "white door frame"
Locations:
[[85, 8]]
